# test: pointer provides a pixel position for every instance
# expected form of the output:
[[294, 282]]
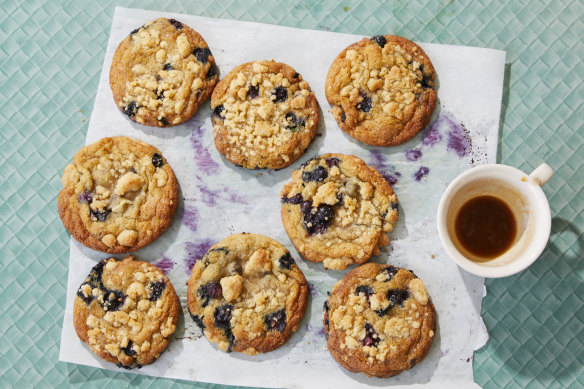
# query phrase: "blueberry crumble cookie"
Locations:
[[382, 90], [247, 294], [264, 115], [162, 72], [119, 195], [126, 311], [337, 210], [379, 320]]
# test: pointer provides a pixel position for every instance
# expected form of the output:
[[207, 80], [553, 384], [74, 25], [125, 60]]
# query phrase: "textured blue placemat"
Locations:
[[50, 57]]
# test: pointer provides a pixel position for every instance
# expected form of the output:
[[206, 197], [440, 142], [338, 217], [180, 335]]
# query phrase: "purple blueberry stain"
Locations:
[[413, 155], [379, 162], [194, 252], [202, 155], [165, 264], [312, 289], [432, 136], [458, 140], [211, 197], [421, 173], [235, 198], [190, 218], [320, 331]]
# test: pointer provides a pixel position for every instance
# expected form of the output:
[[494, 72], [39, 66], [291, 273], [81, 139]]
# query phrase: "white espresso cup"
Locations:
[[524, 197]]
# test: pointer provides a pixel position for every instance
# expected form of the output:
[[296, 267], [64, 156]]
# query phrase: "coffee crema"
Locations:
[[486, 227]]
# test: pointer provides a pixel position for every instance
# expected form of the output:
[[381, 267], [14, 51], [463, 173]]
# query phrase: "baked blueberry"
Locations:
[[98, 215], [365, 103], [276, 320], [253, 91], [157, 160], [209, 291], [223, 316], [366, 290], [202, 54], [130, 109], [286, 261], [380, 40], [280, 93], [218, 110], [85, 197], [156, 289], [178, 25], [318, 174]]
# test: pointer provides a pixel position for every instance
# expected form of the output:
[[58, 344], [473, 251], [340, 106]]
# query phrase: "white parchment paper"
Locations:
[[218, 199]]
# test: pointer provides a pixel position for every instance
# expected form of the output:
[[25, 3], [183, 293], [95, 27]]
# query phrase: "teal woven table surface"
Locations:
[[51, 53]]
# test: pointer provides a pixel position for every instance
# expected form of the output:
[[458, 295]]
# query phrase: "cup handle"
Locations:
[[542, 174]]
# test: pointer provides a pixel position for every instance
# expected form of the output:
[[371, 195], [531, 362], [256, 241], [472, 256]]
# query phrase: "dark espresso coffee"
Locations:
[[486, 227]]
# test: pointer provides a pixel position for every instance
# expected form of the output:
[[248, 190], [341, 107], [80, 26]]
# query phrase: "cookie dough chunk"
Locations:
[[247, 294], [337, 210], [126, 311], [382, 90], [379, 320], [161, 73], [264, 115], [119, 195]]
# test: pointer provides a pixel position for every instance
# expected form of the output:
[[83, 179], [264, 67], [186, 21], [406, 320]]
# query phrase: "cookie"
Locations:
[[126, 311], [382, 90], [161, 73], [247, 294], [264, 115], [379, 320], [119, 195], [337, 210]]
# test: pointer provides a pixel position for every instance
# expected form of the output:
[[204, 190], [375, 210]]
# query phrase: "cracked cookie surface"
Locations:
[[264, 115], [337, 210], [247, 294], [162, 72], [126, 311], [381, 90], [379, 320], [119, 195]]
